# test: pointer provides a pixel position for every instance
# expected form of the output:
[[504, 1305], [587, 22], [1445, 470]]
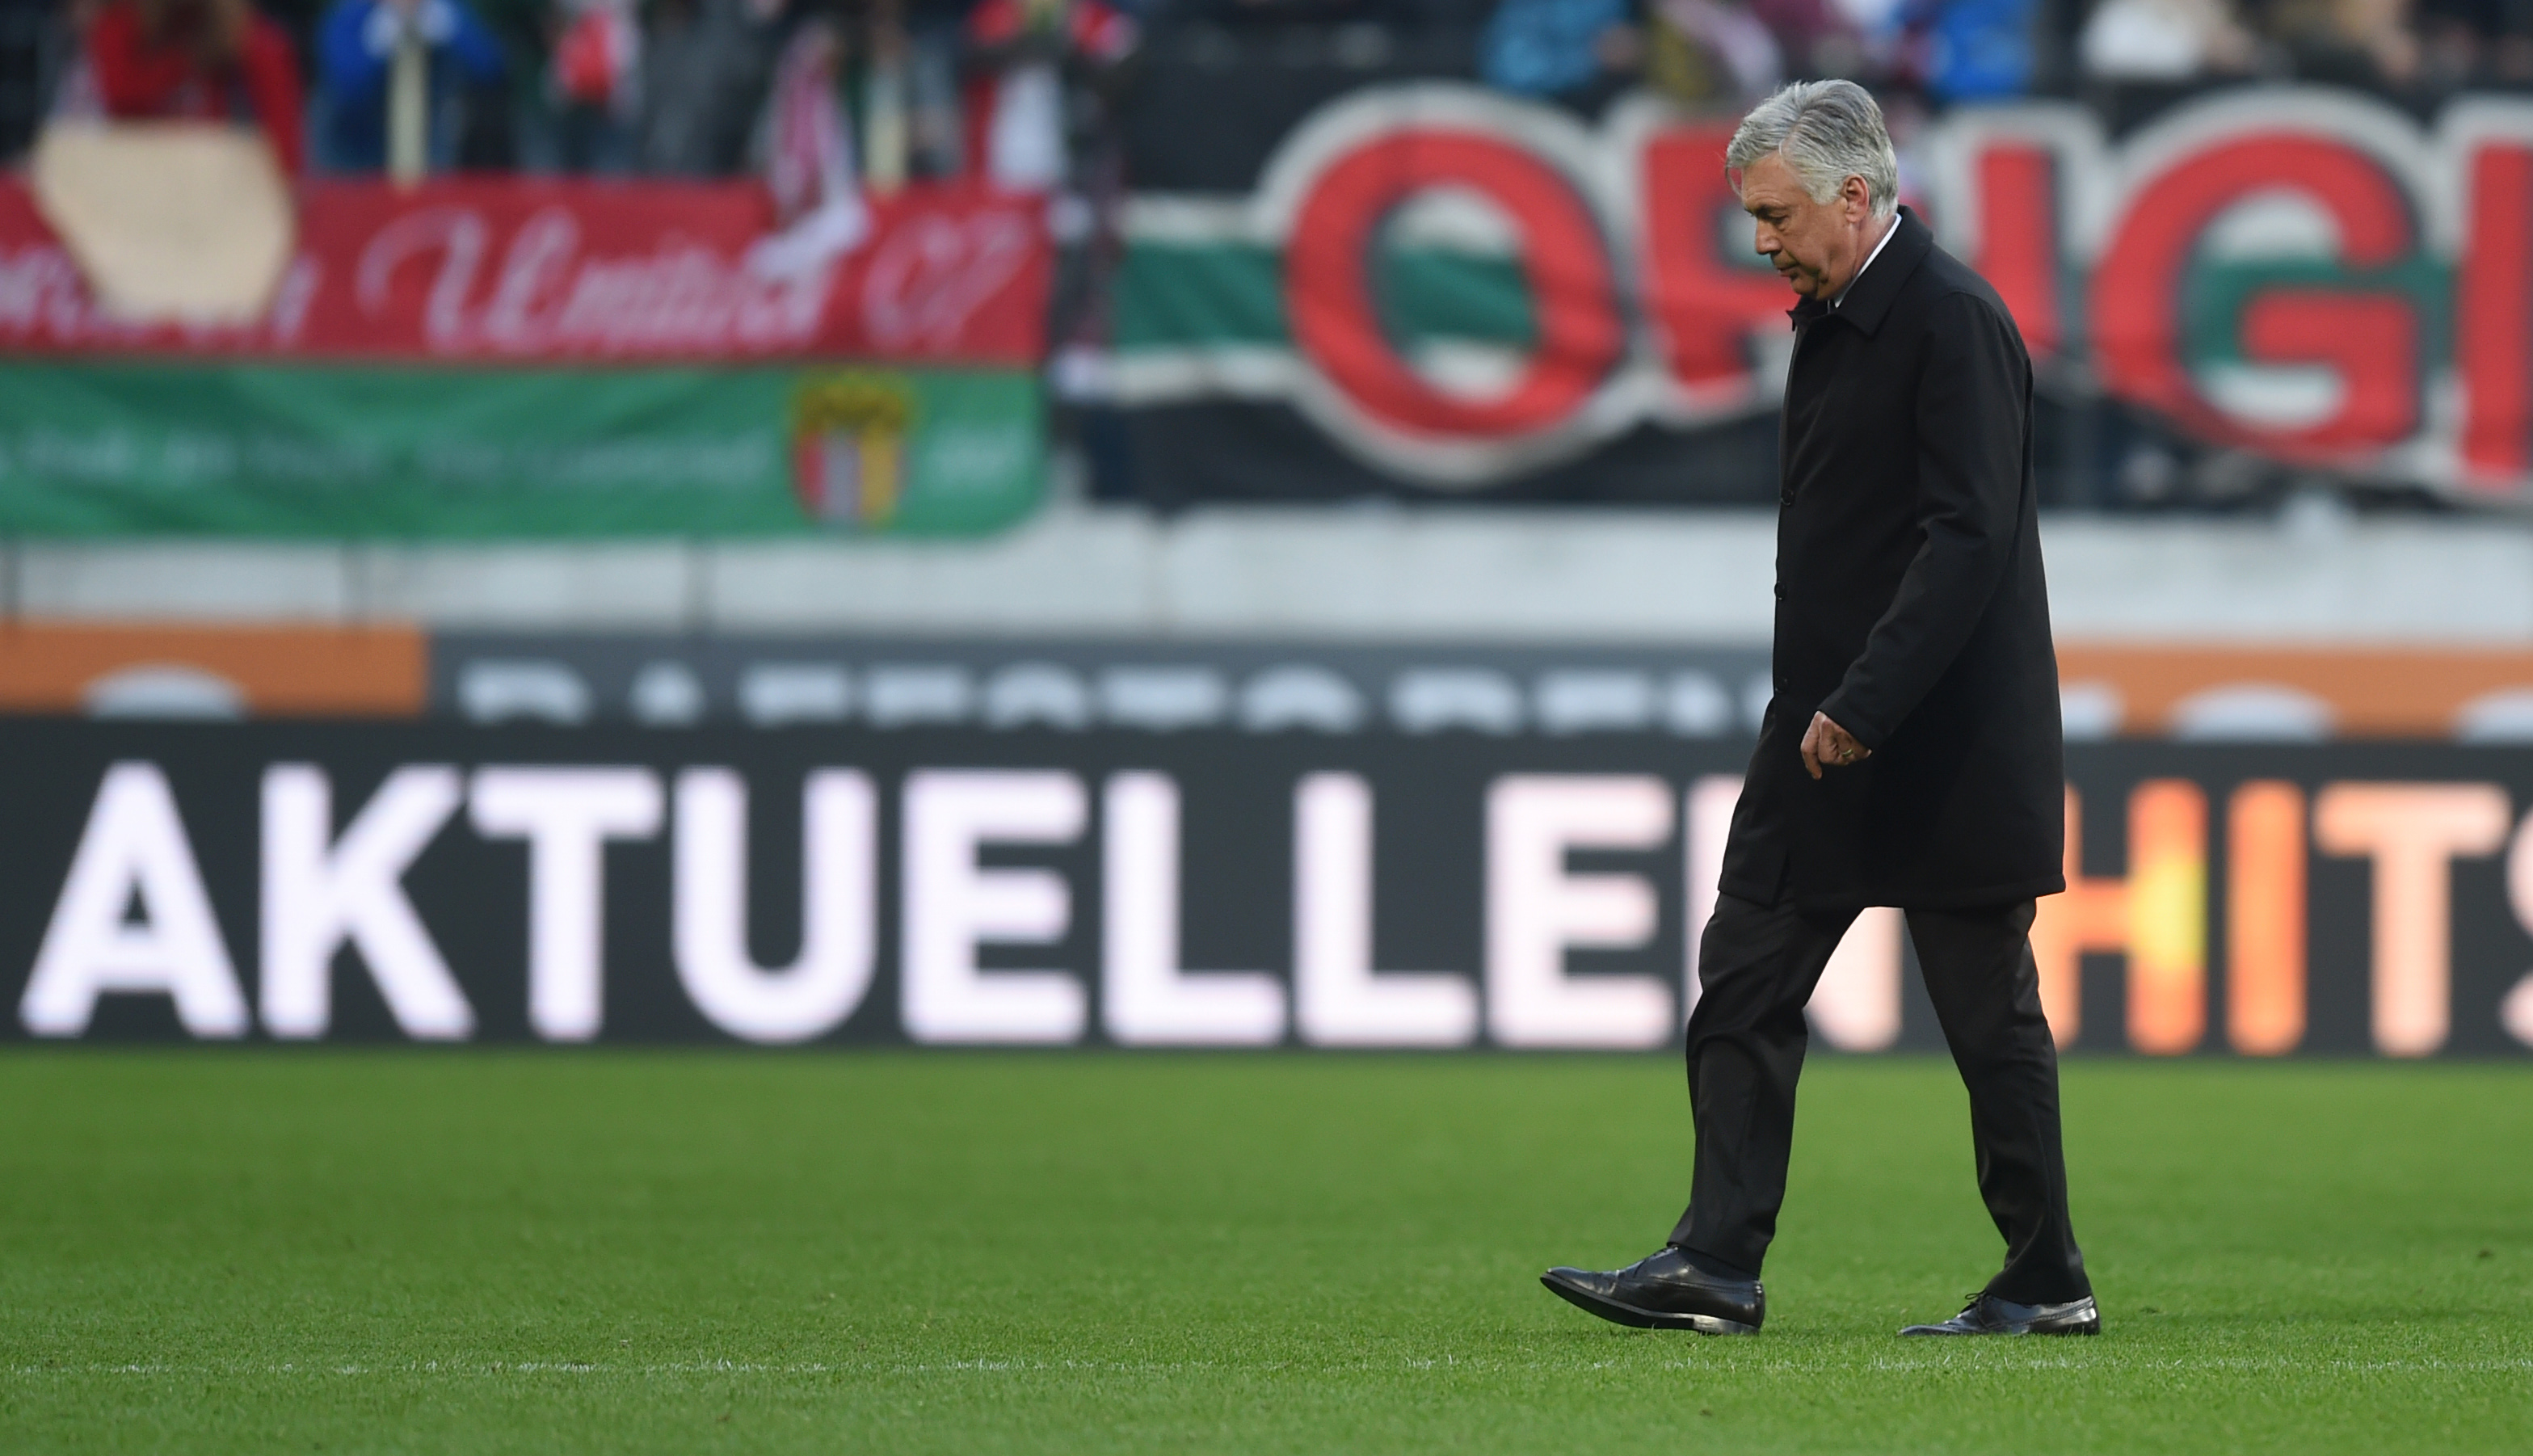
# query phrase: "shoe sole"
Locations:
[[1635, 1318], [1930, 1332]]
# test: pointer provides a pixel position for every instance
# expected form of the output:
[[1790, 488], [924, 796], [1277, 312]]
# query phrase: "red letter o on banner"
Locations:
[[1327, 290], [2369, 338]]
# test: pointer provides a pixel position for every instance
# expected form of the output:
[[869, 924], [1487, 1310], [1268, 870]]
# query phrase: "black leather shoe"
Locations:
[[1986, 1314], [1664, 1291]]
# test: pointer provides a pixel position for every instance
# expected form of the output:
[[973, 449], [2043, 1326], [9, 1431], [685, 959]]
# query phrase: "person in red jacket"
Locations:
[[1022, 54], [205, 60]]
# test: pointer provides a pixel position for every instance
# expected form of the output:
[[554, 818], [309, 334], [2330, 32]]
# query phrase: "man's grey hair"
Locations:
[[1827, 131]]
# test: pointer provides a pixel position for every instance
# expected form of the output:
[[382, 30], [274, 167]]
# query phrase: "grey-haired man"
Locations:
[[1911, 755]]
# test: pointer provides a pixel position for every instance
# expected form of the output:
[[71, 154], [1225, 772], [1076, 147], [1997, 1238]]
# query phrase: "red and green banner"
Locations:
[[1436, 289], [507, 358], [1431, 290]]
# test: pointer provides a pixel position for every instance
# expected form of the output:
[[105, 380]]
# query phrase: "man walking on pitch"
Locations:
[[1911, 756]]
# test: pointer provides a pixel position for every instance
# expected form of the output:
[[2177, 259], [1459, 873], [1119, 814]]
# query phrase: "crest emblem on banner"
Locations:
[[849, 434]]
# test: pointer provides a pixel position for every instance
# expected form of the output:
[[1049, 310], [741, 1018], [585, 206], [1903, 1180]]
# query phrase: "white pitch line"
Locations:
[[2110, 1362]]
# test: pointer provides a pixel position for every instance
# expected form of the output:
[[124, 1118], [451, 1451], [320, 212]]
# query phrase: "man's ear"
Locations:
[[1859, 198]]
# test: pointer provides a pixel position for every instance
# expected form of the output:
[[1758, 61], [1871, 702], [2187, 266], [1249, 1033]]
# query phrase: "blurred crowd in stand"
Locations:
[[2128, 57], [829, 102], [1028, 93], [1005, 89]]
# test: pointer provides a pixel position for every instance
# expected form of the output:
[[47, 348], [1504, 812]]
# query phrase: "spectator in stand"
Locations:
[[887, 137], [1975, 50], [596, 82], [1579, 53], [2458, 41], [1264, 13], [705, 68], [935, 120], [819, 211], [1020, 55], [2164, 40], [524, 29], [2349, 42], [355, 52], [2512, 42], [202, 60], [1817, 37], [1712, 56]]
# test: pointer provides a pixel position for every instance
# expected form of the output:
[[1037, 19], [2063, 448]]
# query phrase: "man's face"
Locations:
[[1813, 246]]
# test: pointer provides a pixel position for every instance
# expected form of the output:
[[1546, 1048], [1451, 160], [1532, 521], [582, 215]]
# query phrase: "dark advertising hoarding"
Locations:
[[1041, 887]]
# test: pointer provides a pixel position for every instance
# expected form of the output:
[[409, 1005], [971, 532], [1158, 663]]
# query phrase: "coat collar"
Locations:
[[1869, 297]]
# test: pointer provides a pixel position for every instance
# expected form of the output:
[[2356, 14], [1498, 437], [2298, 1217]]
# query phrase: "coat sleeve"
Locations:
[[1972, 412]]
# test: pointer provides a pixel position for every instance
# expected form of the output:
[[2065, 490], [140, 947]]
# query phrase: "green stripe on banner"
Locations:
[[2216, 293], [357, 451], [1428, 295], [1179, 296], [1172, 297]]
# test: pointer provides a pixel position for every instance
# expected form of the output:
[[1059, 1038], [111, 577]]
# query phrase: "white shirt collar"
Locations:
[[1888, 234]]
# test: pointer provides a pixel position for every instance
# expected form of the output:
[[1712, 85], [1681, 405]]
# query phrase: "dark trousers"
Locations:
[[1746, 1038]]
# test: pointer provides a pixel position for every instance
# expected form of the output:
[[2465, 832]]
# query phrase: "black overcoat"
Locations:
[[1909, 607]]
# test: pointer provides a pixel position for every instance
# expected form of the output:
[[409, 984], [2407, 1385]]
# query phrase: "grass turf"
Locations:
[[614, 1251]]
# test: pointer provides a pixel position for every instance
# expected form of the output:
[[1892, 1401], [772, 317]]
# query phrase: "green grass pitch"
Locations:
[[542, 1252]]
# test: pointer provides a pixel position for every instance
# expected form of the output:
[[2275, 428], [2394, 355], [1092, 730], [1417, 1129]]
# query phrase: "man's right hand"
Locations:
[[1826, 745]]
